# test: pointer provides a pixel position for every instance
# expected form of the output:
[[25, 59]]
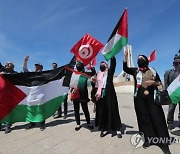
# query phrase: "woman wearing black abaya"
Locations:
[[150, 116], [107, 112]]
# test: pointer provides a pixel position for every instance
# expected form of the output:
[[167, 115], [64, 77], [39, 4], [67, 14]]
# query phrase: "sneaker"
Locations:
[[77, 128], [103, 133], [31, 125], [119, 135], [7, 130]]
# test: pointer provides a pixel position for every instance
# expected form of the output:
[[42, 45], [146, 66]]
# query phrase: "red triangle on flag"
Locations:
[[123, 24], [10, 96]]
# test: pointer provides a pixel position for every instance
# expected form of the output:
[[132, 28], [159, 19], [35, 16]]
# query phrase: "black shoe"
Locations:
[[42, 127], [31, 125], [103, 134], [77, 128], [165, 149], [119, 135], [146, 145], [7, 130], [170, 126], [57, 116], [90, 127]]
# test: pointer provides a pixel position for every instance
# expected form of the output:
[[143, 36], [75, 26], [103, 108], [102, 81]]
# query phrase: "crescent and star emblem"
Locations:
[[85, 51]]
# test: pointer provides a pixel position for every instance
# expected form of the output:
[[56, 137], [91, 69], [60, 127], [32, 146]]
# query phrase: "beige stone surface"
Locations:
[[59, 137]]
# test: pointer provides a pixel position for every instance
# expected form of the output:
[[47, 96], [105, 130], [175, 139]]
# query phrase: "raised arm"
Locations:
[[112, 65], [24, 66], [92, 73], [127, 69]]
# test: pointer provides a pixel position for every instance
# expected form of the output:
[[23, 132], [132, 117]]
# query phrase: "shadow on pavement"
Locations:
[[176, 132], [59, 122]]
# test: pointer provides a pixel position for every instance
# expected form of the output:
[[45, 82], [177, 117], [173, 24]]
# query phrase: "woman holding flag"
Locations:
[[150, 116], [107, 111], [81, 89]]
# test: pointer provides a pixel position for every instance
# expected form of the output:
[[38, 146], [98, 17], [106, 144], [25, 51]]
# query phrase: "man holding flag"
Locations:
[[85, 50], [169, 77]]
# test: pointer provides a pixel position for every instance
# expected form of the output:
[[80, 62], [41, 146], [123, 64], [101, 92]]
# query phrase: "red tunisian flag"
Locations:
[[152, 57], [92, 64], [86, 49]]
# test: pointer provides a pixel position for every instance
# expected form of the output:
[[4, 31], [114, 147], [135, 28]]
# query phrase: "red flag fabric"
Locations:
[[86, 49], [92, 64], [122, 28], [152, 57], [10, 96]]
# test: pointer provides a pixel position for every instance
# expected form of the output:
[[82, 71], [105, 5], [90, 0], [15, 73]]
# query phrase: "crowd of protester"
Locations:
[[150, 117]]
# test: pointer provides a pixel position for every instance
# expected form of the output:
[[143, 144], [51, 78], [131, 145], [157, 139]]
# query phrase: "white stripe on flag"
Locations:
[[38, 95], [174, 85]]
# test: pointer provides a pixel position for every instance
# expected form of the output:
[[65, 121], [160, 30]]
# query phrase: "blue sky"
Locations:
[[46, 30]]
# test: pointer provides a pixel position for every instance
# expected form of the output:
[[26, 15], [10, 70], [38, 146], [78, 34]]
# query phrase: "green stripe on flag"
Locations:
[[35, 113], [116, 48], [82, 81], [175, 96]]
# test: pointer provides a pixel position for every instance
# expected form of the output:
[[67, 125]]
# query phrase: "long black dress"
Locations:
[[150, 117], [107, 111]]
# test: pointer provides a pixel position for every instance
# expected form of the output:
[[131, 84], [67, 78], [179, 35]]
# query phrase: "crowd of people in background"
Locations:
[[150, 117]]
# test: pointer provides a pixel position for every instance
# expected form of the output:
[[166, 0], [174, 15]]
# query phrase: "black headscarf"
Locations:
[[80, 66], [143, 62]]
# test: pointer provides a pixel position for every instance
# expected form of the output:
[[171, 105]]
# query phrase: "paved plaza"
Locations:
[[59, 137]]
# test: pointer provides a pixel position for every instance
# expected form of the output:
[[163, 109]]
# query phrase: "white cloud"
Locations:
[[50, 18]]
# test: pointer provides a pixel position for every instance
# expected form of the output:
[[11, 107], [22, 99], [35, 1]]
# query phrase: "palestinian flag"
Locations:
[[118, 38], [78, 79], [68, 73], [31, 96], [174, 90]]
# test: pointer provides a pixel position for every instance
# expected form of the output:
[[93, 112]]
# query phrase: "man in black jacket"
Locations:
[[169, 77]]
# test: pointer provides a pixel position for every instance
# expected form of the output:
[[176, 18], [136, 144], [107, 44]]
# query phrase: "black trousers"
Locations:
[[171, 110], [84, 106], [65, 108], [59, 111]]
